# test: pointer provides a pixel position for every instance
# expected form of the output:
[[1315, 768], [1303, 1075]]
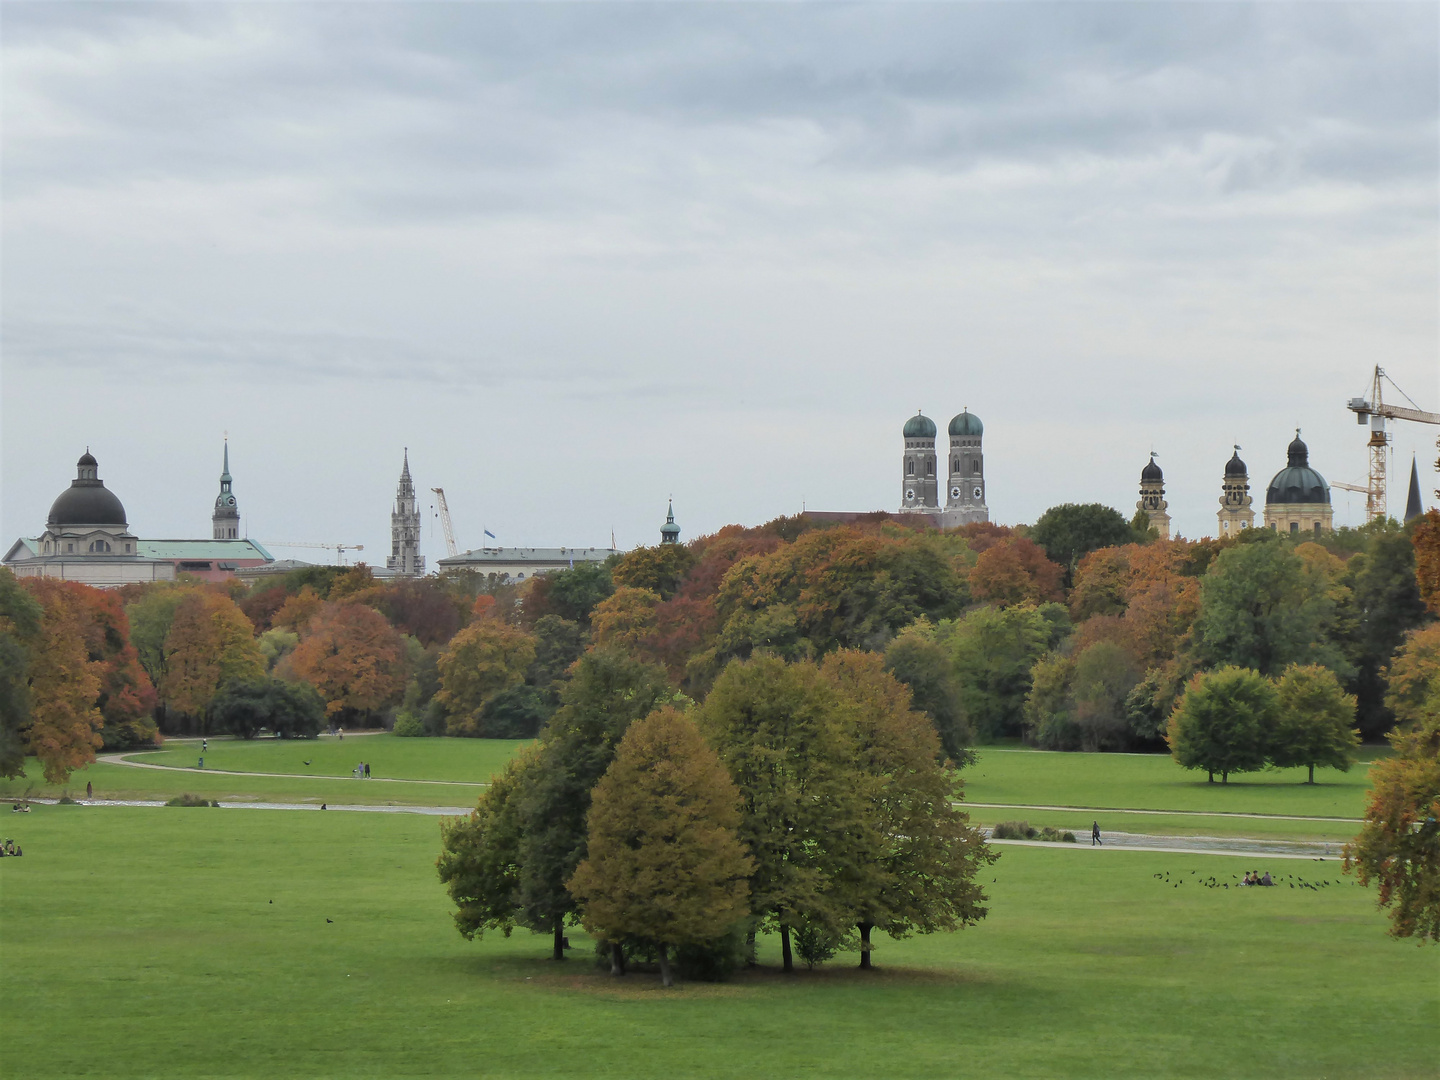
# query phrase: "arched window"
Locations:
[[1294, 528], [929, 468], [910, 467]]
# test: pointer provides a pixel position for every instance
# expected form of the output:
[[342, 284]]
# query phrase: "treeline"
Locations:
[[803, 797], [1081, 632]]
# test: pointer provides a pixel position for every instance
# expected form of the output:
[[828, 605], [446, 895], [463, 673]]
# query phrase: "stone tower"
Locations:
[[670, 532], [1235, 513], [405, 557], [921, 489], [965, 498], [1152, 498], [225, 521]]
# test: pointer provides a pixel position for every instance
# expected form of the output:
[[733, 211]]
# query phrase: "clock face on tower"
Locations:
[[910, 494], [978, 492], [955, 493]]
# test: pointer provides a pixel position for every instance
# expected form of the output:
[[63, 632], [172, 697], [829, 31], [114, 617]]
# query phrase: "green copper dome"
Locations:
[[919, 426], [966, 426], [1297, 482]]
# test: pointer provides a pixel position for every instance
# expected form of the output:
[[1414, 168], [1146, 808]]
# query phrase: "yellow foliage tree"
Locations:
[[210, 643], [481, 661]]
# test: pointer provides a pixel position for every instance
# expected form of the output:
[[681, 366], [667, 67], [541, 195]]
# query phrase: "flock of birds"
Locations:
[[1295, 881]]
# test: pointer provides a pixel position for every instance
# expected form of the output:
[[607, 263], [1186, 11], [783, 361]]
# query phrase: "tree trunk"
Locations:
[[617, 958], [559, 937], [750, 957], [1312, 775], [865, 946], [1210, 773], [788, 961], [665, 979], [1225, 776]]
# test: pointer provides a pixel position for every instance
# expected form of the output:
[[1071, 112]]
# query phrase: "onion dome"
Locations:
[[919, 426], [967, 425], [1236, 467], [1297, 482], [87, 501], [1151, 471], [670, 532]]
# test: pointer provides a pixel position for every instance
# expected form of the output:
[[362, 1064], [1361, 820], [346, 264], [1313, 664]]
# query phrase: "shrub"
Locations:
[[186, 799], [815, 943], [1013, 830], [408, 726]]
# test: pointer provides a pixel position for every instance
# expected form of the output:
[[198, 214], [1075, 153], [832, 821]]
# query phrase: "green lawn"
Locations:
[[143, 943]]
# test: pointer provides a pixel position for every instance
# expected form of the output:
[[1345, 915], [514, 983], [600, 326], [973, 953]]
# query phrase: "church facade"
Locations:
[[964, 471]]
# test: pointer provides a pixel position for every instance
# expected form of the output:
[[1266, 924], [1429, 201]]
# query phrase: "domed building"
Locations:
[[1298, 498], [1235, 501], [87, 538], [920, 491], [1152, 498]]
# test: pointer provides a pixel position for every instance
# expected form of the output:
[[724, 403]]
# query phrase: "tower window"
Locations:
[[929, 468], [910, 467], [1317, 528]]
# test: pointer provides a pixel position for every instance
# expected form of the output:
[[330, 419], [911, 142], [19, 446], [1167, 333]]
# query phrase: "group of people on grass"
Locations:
[[10, 848], [1254, 877], [361, 771]]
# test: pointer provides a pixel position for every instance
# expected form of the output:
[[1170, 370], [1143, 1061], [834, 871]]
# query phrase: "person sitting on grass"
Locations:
[[1248, 879], [1266, 879]]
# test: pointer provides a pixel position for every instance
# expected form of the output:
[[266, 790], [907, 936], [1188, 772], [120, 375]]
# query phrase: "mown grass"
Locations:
[[161, 942]]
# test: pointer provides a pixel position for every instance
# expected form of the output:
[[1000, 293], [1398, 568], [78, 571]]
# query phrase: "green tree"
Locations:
[[1224, 723], [1384, 605], [1103, 678], [150, 618], [571, 594], [481, 662], [480, 855], [291, 710], [607, 692], [1049, 706], [1072, 530], [660, 569], [993, 653], [909, 866], [1399, 844], [1313, 726], [776, 728], [20, 616], [1265, 607], [924, 665], [1413, 678], [663, 862]]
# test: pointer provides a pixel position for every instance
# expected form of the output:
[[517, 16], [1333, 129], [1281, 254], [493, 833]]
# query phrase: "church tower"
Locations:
[[225, 521], [965, 499], [670, 532], [1235, 513], [405, 558], [1152, 498], [921, 488]]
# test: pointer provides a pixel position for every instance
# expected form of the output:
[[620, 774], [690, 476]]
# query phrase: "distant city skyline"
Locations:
[[579, 259]]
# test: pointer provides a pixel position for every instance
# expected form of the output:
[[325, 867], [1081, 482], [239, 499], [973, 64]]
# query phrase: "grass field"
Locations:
[[143, 942]]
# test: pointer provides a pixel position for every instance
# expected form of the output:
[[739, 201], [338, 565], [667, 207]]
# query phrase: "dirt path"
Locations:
[[124, 759], [1159, 813]]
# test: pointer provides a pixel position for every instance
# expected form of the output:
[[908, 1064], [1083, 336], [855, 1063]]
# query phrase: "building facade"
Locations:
[[405, 558], [1152, 498], [1298, 498], [518, 564]]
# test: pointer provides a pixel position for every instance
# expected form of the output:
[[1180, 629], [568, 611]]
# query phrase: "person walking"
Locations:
[[1095, 835], [204, 745], [89, 791]]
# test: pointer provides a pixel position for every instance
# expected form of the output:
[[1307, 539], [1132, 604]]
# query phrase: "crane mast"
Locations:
[[450, 548], [1375, 412]]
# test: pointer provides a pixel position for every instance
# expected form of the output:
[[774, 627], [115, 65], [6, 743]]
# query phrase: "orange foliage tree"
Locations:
[[354, 658], [1426, 538], [64, 684], [210, 643], [1015, 571]]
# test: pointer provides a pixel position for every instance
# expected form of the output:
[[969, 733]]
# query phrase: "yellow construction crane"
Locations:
[[1375, 412], [450, 547], [339, 549]]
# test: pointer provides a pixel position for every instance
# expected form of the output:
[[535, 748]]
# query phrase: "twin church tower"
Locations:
[[965, 471]]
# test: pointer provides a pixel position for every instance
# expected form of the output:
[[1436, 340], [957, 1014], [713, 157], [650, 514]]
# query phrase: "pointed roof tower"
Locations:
[[670, 532], [1413, 505], [225, 521]]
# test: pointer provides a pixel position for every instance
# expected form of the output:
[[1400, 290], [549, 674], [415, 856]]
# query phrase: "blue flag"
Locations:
[[490, 534]]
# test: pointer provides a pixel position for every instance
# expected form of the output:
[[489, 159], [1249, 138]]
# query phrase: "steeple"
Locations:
[[405, 557], [1413, 506], [1235, 499], [1152, 497], [225, 521], [670, 532]]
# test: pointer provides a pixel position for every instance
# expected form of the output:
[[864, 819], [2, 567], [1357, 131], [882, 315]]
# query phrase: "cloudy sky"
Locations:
[[580, 257]]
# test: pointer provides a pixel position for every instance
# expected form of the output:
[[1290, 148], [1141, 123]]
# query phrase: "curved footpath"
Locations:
[[124, 759]]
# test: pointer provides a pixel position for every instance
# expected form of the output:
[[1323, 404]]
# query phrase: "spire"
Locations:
[[670, 532], [225, 477], [1413, 506], [225, 521]]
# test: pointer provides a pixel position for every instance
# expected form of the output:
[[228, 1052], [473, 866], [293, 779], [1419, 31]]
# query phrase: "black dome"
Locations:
[[1298, 453], [86, 501], [1151, 471], [1236, 467]]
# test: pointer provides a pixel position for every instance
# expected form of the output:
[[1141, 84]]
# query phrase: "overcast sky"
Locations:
[[579, 258]]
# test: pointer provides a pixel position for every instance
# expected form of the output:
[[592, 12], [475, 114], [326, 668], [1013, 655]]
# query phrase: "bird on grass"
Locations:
[[307, 763], [329, 920]]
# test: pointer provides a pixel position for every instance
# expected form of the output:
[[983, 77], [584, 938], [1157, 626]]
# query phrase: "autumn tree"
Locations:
[[353, 657], [421, 607], [571, 594], [664, 864], [209, 644], [1413, 678], [1103, 677], [150, 616], [910, 866], [1224, 723], [1015, 571], [660, 569], [625, 618], [481, 662], [1314, 723], [1399, 843], [607, 691], [1073, 530], [20, 617], [63, 684], [776, 728], [1425, 536], [298, 609], [127, 697]]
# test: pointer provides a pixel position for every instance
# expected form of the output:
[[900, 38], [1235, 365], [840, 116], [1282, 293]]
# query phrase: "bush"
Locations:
[[815, 944], [408, 726], [1012, 830], [187, 799]]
